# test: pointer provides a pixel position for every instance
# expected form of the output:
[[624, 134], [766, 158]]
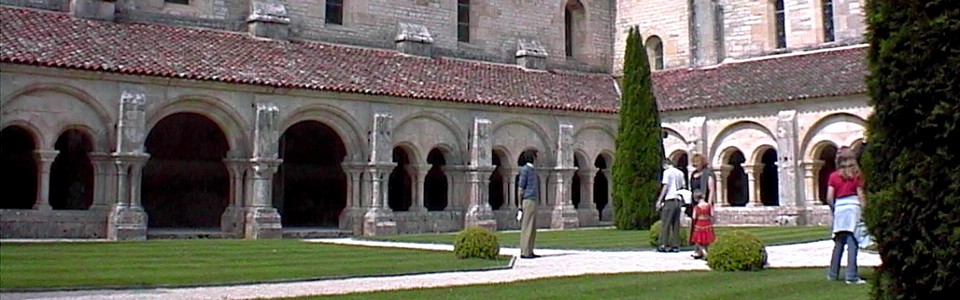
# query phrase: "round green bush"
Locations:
[[737, 250], [655, 234], [476, 242]]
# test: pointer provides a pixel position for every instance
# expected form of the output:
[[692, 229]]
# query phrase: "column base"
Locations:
[[607, 214], [127, 223], [261, 223], [589, 216], [379, 221], [564, 216], [351, 218], [481, 216], [231, 221]]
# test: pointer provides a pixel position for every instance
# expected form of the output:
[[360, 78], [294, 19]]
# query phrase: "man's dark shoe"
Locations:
[[529, 256], [661, 249], [674, 249]]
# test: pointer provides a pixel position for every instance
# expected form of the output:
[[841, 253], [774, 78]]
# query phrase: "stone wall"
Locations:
[[668, 19], [16, 223]]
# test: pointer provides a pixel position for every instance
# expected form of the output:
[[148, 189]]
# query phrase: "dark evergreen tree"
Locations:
[[912, 160], [637, 167]]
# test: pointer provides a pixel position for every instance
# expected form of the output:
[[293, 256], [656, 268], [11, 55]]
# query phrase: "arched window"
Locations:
[[463, 21], [780, 21], [574, 32], [655, 52], [334, 12], [827, 9]]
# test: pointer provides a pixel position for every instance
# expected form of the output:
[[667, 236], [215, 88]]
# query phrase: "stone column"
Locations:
[[351, 218], [722, 189], [379, 218], [608, 212], [102, 167], [589, 216], [127, 219], [564, 215], [811, 187], [511, 181], [231, 220], [419, 179], [45, 160], [752, 190], [479, 212]]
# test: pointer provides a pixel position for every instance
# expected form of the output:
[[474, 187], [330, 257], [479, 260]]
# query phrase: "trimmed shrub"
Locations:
[[737, 250], [655, 234], [912, 155], [638, 168], [476, 242]]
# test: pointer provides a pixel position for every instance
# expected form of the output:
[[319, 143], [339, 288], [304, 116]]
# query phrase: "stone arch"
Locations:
[[71, 173], [230, 121], [102, 128], [594, 137], [767, 175], [437, 185], [310, 186], [342, 122], [835, 128], [744, 136], [454, 140], [735, 189], [674, 141], [185, 182], [400, 188], [17, 146], [581, 162], [498, 191], [535, 139], [824, 160], [602, 195]]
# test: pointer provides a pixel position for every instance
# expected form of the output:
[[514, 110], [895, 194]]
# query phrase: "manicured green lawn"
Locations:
[[768, 285], [612, 239], [204, 262]]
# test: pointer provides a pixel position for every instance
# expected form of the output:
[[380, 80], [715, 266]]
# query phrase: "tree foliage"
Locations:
[[912, 158], [637, 167]]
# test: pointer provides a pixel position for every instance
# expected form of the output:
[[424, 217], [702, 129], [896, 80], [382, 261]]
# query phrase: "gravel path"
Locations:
[[554, 263]]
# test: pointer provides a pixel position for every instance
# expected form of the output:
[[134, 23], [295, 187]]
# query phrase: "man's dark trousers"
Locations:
[[670, 224]]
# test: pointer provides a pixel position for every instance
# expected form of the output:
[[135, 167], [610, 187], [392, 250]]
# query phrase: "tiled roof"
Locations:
[[54, 39], [822, 73]]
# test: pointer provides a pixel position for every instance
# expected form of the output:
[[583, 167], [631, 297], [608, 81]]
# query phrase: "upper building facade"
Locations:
[[699, 33]]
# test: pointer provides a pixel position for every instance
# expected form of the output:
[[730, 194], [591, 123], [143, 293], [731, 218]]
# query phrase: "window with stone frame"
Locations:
[[828, 29], [655, 51], [780, 22], [463, 21], [574, 33], [334, 12], [184, 2]]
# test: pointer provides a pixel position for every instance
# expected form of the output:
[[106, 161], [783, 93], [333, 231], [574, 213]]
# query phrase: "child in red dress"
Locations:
[[703, 234]]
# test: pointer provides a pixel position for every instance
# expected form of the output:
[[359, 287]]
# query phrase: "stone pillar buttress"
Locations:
[[479, 213], [127, 219], [351, 218], [260, 219], [564, 215], [790, 185], [588, 213], [44, 160], [379, 218]]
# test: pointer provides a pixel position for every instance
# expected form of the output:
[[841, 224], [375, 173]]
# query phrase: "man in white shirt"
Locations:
[[669, 204]]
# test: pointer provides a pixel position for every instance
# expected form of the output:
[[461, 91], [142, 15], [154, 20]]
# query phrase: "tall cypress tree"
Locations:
[[637, 167], [912, 161]]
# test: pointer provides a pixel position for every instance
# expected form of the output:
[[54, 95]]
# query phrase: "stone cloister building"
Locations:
[[259, 119]]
